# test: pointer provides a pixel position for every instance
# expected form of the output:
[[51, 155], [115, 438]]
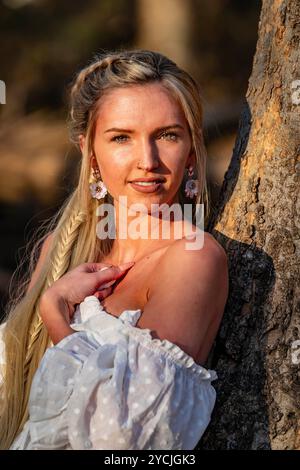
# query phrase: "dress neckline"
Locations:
[[118, 317], [91, 306]]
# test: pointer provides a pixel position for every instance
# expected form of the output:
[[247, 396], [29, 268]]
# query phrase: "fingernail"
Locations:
[[126, 265], [105, 267]]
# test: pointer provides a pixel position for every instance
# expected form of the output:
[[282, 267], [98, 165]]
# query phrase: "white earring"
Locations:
[[97, 188], [192, 185]]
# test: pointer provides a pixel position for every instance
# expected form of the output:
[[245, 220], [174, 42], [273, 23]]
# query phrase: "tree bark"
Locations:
[[257, 350]]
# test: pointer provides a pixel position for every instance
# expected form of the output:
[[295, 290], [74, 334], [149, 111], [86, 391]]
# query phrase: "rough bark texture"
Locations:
[[257, 222]]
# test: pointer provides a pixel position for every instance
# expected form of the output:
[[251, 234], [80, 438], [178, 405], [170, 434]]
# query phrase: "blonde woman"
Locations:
[[106, 348]]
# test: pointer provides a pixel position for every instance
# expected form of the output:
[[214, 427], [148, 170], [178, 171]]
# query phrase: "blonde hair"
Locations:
[[75, 239]]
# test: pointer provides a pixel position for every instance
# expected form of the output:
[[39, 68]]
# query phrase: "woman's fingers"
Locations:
[[107, 284], [114, 272], [122, 267], [105, 267], [85, 280], [91, 267], [102, 294], [96, 267], [106, 274]]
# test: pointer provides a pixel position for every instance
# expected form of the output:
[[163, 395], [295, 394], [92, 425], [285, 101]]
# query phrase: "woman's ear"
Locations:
[[81, 142], [191, 160], [93, 162]]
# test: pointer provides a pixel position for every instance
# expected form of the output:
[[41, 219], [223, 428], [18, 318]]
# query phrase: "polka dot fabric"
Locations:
[[111, 386]]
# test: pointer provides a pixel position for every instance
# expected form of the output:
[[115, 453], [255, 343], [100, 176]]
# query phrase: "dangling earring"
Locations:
[[97, 188], [192, 185]]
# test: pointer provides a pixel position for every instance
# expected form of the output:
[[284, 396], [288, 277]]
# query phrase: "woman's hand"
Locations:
[[58, 302]]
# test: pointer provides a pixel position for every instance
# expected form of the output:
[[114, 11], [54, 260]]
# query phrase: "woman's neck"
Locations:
[[140, 234]]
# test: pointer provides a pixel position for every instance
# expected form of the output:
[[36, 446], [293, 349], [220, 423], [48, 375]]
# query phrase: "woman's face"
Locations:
[[141, 132]]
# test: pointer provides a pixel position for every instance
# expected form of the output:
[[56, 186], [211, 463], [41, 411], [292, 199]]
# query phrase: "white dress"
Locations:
[[112, 386]]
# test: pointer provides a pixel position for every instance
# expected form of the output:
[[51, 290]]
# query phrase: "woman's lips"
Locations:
[[146, 189]]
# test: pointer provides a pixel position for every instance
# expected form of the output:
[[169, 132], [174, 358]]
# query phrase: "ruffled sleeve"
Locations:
[[127, 392]]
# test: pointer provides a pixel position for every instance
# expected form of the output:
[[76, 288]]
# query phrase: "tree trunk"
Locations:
[[257, 351]]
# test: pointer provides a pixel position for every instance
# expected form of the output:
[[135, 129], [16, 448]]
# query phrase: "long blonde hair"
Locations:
[[75, 239]]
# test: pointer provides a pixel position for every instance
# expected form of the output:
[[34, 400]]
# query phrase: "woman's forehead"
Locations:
[[130, 106]]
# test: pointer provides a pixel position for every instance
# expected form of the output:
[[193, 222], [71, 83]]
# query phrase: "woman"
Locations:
[[104, 354]]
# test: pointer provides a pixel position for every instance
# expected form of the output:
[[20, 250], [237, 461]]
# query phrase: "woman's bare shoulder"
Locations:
[[201, 245], [188, 293], [201, 258]]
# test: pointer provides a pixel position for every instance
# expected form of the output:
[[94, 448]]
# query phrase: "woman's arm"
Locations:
[[55, 314]]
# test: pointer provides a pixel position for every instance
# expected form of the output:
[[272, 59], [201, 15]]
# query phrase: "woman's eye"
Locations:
[[122, 138], [117, 137], [170, 134]]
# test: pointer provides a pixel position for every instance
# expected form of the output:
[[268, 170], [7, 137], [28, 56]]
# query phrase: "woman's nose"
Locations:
[[148, 157]]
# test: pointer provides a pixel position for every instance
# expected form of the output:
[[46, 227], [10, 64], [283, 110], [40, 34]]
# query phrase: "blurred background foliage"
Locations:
[[45, 42]]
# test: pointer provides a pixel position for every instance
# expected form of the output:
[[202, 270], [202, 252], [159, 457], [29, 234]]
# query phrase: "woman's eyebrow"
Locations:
[[117, 129]]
